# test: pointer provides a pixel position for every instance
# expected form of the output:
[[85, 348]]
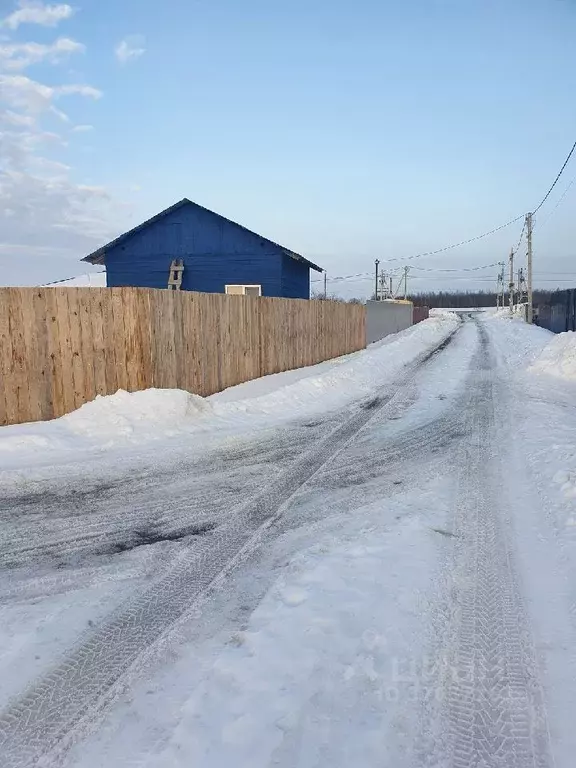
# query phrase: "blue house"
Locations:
[[217, 255]]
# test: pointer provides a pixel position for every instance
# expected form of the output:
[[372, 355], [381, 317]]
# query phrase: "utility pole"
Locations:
[[521, 287], [511, 283], [325, 287], [498, 289], [529, 308], [406, 282], [391, 292], [376, 262]]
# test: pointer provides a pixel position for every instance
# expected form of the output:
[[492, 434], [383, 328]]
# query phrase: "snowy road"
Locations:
[[357, 588]]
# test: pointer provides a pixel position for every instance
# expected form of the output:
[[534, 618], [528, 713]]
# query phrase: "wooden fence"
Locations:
[[60, 347]]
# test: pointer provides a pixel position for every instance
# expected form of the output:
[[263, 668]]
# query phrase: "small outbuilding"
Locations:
[[194, 249]]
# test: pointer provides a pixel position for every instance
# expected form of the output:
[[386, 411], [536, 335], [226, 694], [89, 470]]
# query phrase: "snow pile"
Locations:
[[567, 482], [136, 414], [516, 344], [122, 418], [558, 358]]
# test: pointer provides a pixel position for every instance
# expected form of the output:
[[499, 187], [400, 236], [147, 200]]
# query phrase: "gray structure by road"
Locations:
[[386, 317]]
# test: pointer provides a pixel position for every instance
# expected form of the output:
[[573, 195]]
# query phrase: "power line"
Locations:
[[520, 238], [547, 219], [463, 242], [560, 172], [75, 277], [366, 275], [457, 269]]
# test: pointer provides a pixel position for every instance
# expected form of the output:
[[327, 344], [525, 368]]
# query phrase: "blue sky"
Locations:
[[347, 131]]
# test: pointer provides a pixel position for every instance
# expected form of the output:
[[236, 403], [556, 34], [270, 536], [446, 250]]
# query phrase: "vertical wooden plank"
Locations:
[[144, 320], [248, 353], [65, 348], [98, 339], [5, 350], [228, 369], [207, 344], [214, 327], [168, 303], [42, 346], [267, 342], [30, 354], [133, 340], [76, 346], [254, 340], [9, 375], [155, 339], [193, 379], [119, 337], [178, 340], [18, 361], [110, 365], [54, 372], [163, 352], [130, 338], [85, 304]]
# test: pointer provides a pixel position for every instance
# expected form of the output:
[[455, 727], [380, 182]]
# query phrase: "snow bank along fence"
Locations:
[[60, 347]]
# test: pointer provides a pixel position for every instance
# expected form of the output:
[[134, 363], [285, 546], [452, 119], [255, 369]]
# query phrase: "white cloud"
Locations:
[[81, 90], [59, 114], [18, 56], [33, 98], [132, 47], [20, 92], [38, 13], [46, 217], [12, 118], [82, 128]]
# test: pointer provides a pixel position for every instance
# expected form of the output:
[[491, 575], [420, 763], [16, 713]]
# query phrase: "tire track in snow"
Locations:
[[493, 712], [77, 688]]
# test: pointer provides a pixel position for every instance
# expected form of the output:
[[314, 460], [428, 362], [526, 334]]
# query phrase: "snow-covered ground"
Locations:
[[406, 598]]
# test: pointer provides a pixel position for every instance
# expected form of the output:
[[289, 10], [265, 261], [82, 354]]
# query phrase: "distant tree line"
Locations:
[[319, 295], [454, 299], [458, 299]]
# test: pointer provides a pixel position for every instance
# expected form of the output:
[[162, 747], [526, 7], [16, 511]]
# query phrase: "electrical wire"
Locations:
[[458, 245], [366, 275], [560, 172], [457, 269], [65, 280], [520, 238], [568, 188]]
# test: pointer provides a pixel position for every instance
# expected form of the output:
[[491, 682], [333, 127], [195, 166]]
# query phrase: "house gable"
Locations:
[[215, 252]]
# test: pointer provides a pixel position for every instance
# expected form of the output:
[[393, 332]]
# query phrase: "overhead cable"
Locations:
[[560, 172]]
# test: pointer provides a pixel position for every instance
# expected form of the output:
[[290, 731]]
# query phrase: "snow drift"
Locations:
[[558, 358]]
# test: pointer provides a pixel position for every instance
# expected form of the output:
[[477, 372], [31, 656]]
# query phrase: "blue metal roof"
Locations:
[[99, 256]]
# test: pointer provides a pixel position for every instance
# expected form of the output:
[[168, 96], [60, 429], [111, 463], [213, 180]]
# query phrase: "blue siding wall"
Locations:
[[215, 252], [295, 279]]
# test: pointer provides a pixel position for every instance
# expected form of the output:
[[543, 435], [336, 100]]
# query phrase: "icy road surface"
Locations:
[[391, 583]]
